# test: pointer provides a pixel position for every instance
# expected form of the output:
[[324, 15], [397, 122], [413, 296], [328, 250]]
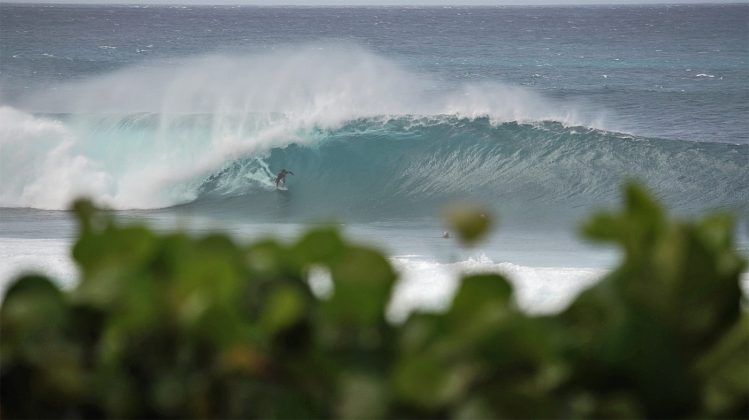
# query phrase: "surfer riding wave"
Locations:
[[281, 177]]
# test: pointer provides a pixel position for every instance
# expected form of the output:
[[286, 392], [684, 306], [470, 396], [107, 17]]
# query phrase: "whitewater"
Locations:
[[188, 131]]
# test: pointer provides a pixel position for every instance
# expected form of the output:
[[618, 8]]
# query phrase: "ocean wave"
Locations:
[[411, 167], [379, 167], [364, 134]]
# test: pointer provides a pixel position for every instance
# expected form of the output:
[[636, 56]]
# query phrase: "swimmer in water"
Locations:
[[281, 177]]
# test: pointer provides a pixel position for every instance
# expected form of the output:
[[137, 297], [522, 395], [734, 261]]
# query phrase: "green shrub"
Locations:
[[176, 326]]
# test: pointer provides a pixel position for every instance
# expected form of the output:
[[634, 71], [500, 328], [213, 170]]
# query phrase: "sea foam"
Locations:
[[424, 284]]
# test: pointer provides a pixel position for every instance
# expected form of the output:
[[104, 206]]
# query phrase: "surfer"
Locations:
[[281, 177]]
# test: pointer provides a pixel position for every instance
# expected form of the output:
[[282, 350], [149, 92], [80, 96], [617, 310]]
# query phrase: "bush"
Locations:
[[176, 326]]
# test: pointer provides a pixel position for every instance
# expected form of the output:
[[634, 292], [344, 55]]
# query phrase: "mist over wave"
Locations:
[[365, 136], [320, 84]]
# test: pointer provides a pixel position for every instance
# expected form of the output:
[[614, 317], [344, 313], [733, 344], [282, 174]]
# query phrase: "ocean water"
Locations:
[[181, 116]]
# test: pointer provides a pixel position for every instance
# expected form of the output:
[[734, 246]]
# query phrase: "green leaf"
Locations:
[[319, 246], [285, 307], [725, 372], [362, 284], [361, 395], [482, 301], [33, 310], [470, 221]]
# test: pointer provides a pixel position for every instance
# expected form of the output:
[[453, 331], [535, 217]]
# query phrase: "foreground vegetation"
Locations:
[[176, 326]]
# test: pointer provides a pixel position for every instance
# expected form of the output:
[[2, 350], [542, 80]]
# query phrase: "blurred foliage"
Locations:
[[471, 222], [176, 326]]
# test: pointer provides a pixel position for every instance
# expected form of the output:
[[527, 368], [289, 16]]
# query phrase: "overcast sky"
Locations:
[[379, 2]]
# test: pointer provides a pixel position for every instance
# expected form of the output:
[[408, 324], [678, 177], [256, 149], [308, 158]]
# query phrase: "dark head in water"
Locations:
[[281, 177]]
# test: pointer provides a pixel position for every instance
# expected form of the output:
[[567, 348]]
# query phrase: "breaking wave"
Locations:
[[408, 167], [365, 136]]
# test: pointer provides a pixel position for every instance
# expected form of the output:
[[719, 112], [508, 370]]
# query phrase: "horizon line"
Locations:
[[425, 4]]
